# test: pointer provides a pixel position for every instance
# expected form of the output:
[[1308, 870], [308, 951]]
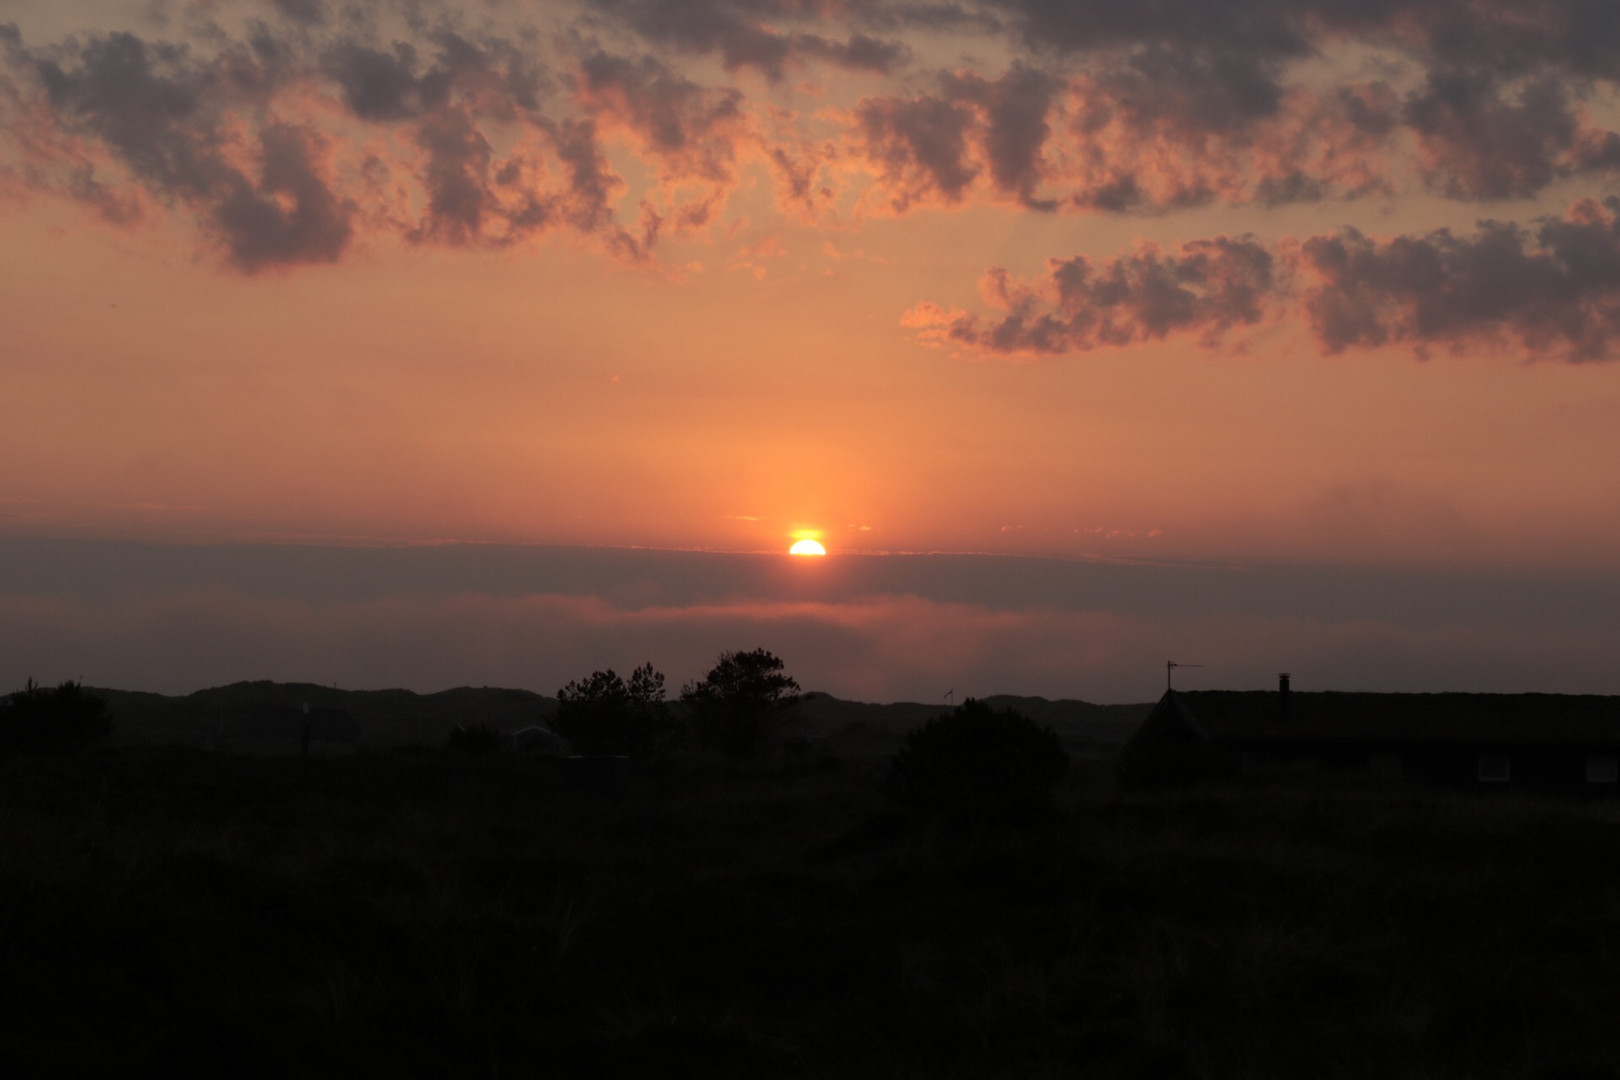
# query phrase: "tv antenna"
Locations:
[[950, 698], [1170, 669]]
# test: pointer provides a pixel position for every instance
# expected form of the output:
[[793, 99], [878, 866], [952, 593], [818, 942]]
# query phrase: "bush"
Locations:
[[474, 739], [40, 721], [976, 762]]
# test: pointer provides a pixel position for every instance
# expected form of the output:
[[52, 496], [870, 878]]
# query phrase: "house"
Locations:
[[537, 739], [1562, 742]]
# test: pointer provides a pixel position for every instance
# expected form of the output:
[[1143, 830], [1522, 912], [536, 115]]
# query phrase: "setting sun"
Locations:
[[806, 547]]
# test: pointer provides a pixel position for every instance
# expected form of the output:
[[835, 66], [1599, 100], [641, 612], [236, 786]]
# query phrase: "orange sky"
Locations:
[[1292, 284]]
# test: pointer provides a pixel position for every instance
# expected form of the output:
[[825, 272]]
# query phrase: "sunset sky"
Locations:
[[1084, 335]]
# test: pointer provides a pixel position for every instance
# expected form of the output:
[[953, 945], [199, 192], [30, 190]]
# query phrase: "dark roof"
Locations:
[[1229, 715]]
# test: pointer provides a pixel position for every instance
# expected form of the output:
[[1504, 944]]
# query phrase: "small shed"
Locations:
[[1565, 742]]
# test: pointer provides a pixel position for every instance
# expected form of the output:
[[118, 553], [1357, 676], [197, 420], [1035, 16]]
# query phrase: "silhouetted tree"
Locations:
[[37, 720], [606, 715], [975, 762], [474, 739], [741, 702]]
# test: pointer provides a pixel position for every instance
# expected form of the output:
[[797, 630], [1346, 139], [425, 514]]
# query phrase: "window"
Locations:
[[1602, 769], [1494, 769]]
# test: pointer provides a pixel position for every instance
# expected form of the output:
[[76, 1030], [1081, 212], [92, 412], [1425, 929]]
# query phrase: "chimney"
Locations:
[[1282, 697]]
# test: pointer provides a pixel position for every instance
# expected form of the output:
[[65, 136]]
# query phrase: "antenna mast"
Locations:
[[1169, 670]]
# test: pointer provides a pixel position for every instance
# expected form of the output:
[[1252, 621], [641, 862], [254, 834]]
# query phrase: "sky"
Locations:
[[486, 341]]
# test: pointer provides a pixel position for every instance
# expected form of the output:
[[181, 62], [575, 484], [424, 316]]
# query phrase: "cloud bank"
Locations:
[[1551, 290], [883, 628], [292, 132]]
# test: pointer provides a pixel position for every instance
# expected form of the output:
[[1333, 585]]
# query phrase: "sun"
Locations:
[[807, 547]]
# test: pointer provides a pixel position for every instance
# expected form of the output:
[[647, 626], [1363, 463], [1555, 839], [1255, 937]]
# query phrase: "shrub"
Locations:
[[976, 762], [37, 720], [474, 739]]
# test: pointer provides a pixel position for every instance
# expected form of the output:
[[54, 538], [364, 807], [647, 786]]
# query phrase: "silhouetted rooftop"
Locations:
[[1359, 717]]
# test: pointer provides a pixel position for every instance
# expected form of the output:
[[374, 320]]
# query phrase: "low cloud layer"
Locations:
[[891, 628]]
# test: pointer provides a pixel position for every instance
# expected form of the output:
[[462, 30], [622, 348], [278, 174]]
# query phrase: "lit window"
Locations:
[[1602, 769], [1493, 768]]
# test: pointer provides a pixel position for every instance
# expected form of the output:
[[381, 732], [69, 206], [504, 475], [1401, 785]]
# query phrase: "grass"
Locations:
[[425, 913]]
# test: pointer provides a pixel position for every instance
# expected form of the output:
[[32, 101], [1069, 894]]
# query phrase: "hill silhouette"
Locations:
[[230, 717]]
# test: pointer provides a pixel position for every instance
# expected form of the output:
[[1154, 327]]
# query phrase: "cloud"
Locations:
[[473, 199], [239, 141], [1259, 28], [1205, 288], [381, 85], [308, 127], [261, 230], [1148, 133], [1015, 109], [493, 77], [899, 628], [920, 146], [690, 130], [1194, 94], [1575, 36], [160, 112], [308, 12], [737, 33], [931, 148], [1555, 288], [1474, 143]]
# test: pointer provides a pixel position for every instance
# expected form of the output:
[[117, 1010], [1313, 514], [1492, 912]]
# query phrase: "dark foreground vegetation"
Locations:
[[432, 913]]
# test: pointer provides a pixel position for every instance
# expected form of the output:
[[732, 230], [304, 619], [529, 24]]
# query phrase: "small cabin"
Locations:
[[1556, 742]]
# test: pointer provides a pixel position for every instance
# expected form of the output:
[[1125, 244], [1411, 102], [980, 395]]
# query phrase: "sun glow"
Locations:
[[807, 547]]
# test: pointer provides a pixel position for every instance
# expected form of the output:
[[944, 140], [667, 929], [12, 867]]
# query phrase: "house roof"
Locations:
[[1235, 716]]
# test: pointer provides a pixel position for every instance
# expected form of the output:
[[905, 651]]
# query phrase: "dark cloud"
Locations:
[[1194, 94], [1478, 144], [473, 199], [147, 105], [931, 16], [1507, 36], [261, 230], [456, 177], [1015, 126], [307, 12], [735, 30], [187, 127], [932, 147], [592, 184], [1556, 289], [494, 77], [1206, 288], [920, 145], [383, 85], [680, 121], [1159, 132], [858, 52], [1145, 135], [160, 112], [692, 131], [1258, 28]]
